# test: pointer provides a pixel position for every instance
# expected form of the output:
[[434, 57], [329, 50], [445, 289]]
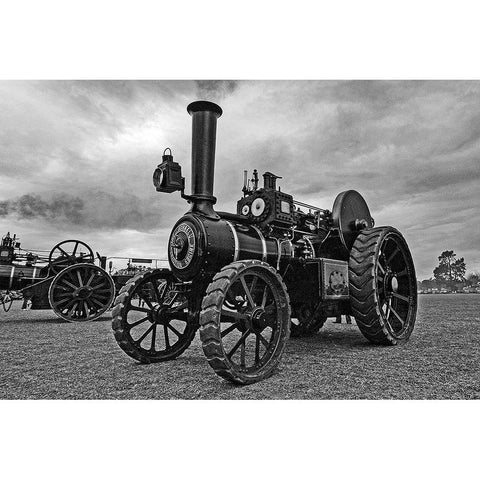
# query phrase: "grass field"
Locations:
[[43, 357]]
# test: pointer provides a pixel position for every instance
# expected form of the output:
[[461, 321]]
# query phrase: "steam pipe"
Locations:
[[204, 128]]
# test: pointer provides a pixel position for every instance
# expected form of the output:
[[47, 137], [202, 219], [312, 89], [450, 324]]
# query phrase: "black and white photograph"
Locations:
[[264, 231], [303, 246]]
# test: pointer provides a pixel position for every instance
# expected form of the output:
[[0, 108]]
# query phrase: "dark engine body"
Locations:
[[305, 244]]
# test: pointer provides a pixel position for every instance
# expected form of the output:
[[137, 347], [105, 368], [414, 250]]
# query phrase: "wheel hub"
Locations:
[[391, 282], [158, 314], [257, 319], [83, 292]]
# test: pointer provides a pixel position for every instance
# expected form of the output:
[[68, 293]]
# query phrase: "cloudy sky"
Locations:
[[77, 157]]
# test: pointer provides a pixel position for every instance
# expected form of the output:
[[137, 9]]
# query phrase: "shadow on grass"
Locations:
[[50, 320], [350, 339]]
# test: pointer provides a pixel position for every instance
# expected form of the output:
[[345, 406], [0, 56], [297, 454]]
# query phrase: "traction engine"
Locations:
[[248, 280]]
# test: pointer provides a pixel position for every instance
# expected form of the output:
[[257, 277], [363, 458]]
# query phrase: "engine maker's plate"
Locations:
[[334, 279]]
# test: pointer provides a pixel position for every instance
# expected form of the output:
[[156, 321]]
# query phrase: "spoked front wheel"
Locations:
[[245, 321], [383, 286], [153, 318]]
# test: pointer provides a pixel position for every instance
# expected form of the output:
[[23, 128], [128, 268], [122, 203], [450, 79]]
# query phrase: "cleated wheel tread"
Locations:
[[214, 344], [377, 258]]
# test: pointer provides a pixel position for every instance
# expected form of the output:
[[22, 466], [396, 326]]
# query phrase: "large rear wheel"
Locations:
[[383, 286], [152, 319], [245, 321], [81, 293]]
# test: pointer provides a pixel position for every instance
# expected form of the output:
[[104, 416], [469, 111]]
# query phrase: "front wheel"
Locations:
[[245, 321], [152, 319], [383, 286]]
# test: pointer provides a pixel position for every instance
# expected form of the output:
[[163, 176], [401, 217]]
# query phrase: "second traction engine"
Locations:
[[249, 279]]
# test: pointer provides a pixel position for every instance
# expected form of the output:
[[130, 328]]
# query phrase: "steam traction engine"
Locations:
[[66, 280], [248, 279]]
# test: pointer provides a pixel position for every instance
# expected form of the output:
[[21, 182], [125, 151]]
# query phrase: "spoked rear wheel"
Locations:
[[245, 321], [81, 293], [383, 286], [152, 318]]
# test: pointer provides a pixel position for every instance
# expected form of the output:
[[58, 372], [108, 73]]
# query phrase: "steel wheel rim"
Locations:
[[255, 315], [395, 284], [156, 316], [81, 293]]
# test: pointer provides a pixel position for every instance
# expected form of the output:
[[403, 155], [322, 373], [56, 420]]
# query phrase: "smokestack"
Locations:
[[204, 129]]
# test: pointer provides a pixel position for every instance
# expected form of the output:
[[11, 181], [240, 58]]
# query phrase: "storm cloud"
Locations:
[[99, 210], [77, 157]]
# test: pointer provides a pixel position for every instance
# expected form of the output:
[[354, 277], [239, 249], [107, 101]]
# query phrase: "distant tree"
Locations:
[[450, 269], [473, 278]]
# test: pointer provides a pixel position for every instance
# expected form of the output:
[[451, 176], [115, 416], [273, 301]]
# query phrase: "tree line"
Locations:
[[450, 273]]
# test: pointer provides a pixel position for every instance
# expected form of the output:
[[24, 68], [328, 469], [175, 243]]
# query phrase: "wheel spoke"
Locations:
[[381, 268], [265, 295], [139, 309], [147, 331], [235, 316], [397, 315], [165, 333], [263, 340], [75, 249], [82, 310], [247, 292], [80, 280], [402, 273], [56, 304], [145, 298], [401, 297], [242, 354], [229, 329], [64, 252], [138, 322], [257, 348], [69, 314], [71, 285], [253, 285], [94, 300], [235, 348], [90, 279], [395, 252], [154, 335], [174, 330]]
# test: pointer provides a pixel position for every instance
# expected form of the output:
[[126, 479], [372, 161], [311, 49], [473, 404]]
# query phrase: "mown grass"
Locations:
[[43, 357]]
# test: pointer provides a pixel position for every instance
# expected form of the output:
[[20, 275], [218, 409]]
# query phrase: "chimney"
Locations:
[[204, 129]]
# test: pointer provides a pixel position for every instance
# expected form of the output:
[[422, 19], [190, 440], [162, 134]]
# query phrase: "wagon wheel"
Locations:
[[69, 252], [81, 293], [383, 286], [153, 319], [309, 319], [245, 321]]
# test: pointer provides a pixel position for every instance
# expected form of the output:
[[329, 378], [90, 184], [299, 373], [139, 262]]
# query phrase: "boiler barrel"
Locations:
[[201, 245]]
